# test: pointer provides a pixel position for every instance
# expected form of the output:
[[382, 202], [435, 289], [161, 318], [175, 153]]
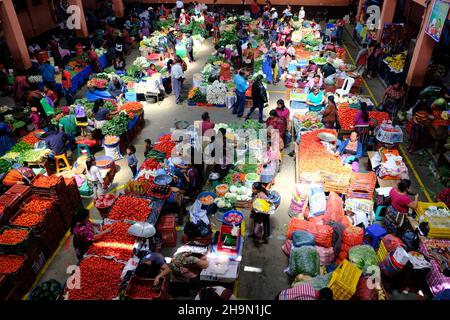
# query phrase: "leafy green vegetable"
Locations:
[[5, 166], [228, 37], [21, 147], [108, 105], [117, 125]]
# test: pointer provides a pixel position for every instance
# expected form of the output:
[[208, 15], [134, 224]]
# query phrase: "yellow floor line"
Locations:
[[276, 91], [422, 186], [47, 264]]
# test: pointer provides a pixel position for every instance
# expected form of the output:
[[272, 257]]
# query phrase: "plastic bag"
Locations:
[[326, 255], [334, 210], [363, 292], [391, 242], [85, 189], [287, 247], [197, 213], [302, 238], [363, 257], [317, 200], [304, 260]]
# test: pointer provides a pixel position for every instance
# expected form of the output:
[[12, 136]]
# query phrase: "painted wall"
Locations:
[[274, 2], [36, 20]]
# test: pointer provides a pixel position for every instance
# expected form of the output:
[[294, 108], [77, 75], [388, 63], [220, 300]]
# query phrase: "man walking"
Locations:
[[177, 80], [190, 47], [259, 97], [241, 87]]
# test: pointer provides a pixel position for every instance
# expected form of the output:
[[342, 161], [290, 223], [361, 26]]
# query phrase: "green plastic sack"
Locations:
[[49, 111], [85, 189], [363, 257], [304, 260], [318, 282]]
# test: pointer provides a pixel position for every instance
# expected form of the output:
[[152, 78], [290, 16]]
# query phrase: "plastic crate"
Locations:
[[168, 238], [344, 280], [37, 228], [22, 247], [161, 294], [167, 222], [382, 252], [23, 278], [19, 189]]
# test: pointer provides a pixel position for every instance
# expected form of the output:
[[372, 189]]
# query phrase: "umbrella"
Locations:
[[142, 230]]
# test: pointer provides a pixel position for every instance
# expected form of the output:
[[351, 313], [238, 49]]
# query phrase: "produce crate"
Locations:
[[38, 228], [38, 262], [23, 278], [167, 229], [382, 252], [51, 237], [10, 204], [6, 287], [344, 280], [19, 189], [243, 204], [160, 294], [72, 190], [26, 245], [423, 206]]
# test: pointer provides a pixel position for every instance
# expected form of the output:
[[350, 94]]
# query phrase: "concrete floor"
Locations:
[[272, 261]]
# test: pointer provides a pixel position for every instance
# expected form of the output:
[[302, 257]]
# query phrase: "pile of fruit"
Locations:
[[140, 291], [28, 219], [309, 120], [10, 263], [104, 200], [118, 243], [97, 83], [13, 236], [314, 157], [130, 208], [347, 117], [100, 279], [132, 106], [30, 138], [45, 182], [397, 62], [38, 205], [109, 140], [233, 218]]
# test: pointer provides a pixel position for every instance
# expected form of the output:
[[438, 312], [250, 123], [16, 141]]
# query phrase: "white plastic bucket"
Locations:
[[249, 182], [401, 256]]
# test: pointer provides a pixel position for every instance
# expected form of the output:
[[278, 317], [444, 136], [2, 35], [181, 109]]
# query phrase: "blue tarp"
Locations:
[[98, 94], [132, 122]]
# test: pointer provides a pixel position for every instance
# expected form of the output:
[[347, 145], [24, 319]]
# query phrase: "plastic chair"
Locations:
[[82, 146], [62, 157], [375, 232], [346, 87]]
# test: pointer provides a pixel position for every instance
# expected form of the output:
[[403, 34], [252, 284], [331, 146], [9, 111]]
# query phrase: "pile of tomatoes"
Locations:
[[13, 236], [314, 157], [233, 218], [347, 117], [100, 279], [30, 138], [150, 164], [38, 205], [118, 243], [10, 263], [28, 219], [130, 208], [46, 182], [140, 291], [165, 147]]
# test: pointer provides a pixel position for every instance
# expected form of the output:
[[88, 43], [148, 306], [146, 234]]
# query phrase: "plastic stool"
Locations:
[[377, 214], [82, 146], [375, 232], [62, 157]]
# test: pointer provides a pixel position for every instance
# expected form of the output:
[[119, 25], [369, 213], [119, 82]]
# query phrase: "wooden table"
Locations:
[[382, 183]]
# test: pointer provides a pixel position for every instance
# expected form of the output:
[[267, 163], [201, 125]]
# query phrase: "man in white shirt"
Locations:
[[177, 80], [274, 13], [301, 14]]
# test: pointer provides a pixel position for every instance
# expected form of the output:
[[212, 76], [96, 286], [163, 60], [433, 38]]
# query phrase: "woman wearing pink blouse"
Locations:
[[362, 116]]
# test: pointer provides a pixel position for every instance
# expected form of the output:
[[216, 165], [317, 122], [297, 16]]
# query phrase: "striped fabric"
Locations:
[[304, 291], [422, 118]]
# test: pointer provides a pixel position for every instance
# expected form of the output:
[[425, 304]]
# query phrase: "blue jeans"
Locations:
[[176, 88], [339, 33], [240, 103], [68, 95], [260, 107]]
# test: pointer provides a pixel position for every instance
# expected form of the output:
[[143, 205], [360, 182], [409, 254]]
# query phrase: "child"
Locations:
[[152, 70], [132, 159], [148, 147], [34, 116]]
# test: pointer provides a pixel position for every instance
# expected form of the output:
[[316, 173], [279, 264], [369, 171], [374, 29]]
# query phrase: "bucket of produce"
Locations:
[[104, 162], [233, 217], [221, 190], [275, 198], [103, 203], [207, 198], [111, 141], [163, 180], [251, 178], [182, 124]]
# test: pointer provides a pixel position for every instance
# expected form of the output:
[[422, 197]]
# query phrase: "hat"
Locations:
[[273, 9], [172, 29], [150, 8], [182, 10], [33, 109]]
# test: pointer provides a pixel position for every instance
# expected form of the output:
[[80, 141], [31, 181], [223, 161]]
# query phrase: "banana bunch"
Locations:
[[397, 61]]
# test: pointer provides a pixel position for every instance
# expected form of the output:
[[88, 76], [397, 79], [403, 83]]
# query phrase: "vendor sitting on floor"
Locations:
[[99, 114], [315, 99], [350, 151], [56, 140]]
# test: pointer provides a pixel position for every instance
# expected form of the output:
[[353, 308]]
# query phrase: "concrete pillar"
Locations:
[[82, 32], [387, 14], [422, 54], [360, 10], [14, 36], [117, 6]]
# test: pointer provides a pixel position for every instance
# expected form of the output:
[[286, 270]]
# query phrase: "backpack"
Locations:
[[411, 240]]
